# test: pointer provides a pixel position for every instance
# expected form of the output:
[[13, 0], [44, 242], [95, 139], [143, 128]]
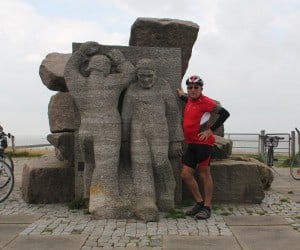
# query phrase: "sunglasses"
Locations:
[[193, 87]]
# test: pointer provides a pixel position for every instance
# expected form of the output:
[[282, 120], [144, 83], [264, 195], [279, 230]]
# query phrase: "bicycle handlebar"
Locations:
[[9, 135], [271, 141], [279, 138], [273, 137]]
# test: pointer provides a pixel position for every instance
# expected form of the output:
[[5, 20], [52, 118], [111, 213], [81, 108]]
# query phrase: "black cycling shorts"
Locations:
[[197, 154]]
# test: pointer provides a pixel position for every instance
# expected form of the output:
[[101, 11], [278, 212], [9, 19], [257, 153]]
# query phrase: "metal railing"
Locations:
[[253, 142]]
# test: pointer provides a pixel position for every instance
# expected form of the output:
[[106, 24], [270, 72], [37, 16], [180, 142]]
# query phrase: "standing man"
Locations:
[[199, 137]]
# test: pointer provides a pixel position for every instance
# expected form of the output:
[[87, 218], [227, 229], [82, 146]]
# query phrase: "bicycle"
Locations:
[[6, 180], [6, 167], [6, 157], [295, 161], [271, 142]]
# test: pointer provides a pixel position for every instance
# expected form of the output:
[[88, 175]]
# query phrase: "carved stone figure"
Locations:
[[96, 91], [151, 121]]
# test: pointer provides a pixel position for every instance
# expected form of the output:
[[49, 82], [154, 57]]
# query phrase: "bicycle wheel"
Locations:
[[295, 167], [6, 180], [7, 158]]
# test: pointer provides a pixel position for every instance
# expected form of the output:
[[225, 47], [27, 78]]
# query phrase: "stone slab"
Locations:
[[255, 220], [172, 242], [19, 218], [40, 242], [8, 232], [48, 180], [266, 237]]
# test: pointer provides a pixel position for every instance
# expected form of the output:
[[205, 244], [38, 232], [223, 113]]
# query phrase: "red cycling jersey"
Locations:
[[196, 119]]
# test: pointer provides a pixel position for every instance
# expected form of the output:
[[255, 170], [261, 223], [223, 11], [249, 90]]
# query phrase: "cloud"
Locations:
[[247, 53], [26, 38]]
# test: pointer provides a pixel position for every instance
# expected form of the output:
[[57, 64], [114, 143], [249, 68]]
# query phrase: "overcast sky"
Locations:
[[247, 52]]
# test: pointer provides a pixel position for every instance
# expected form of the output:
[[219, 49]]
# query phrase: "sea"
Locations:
[[251, 144], [29, 140], [242, 143]]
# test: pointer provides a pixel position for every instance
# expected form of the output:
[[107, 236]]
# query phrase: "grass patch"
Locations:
[[258, 157], [261, 213], [48, 230], [286, 162], [290, 192], [283, 160], [217, 207], [285, 200], [78, 203], [29, 152], [275, 204], [249, 211], [175, 214], [226, 213]]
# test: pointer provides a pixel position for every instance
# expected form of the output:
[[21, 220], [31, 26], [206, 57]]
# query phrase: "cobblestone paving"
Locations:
[[58, 219]]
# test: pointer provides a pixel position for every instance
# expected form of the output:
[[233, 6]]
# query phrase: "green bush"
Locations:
[[78, 203]]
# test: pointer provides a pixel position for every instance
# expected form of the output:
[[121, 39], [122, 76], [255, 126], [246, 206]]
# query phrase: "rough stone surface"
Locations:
[[61, 113], [155, 32], [97, 150], [152, 127], [236, 181], [64, 145], [52, 71], [48, 180], [266, 175], [100, 172], [98, 139], [222, 148]]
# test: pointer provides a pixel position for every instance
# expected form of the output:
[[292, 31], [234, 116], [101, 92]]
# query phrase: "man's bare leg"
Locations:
[[187, 175]]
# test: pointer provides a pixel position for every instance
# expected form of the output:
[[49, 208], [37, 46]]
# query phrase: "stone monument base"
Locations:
[[237, 181], [48, 180], [242, 180]]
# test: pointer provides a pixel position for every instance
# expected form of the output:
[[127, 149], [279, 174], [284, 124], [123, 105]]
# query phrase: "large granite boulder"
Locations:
[[266, 175], [64, 145], [48, 180], [52, 71], [165, 32], [222, 148], [235, 181], [61, 113]]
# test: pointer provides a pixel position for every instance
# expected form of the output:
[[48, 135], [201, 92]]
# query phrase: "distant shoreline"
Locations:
[[29, 140]]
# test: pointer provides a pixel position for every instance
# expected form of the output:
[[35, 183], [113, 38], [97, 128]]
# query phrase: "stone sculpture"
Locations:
[[96, 91], [93, 126], [151, 124]]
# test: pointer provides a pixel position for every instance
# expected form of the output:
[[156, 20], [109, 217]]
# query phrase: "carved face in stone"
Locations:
[[146, 73], [146, 78], [100, 63]]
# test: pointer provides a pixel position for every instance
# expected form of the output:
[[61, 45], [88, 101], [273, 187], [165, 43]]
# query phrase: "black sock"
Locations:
[[201, 203], [206, 207]]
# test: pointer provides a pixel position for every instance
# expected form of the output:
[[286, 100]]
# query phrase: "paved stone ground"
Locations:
[[58, 219]]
